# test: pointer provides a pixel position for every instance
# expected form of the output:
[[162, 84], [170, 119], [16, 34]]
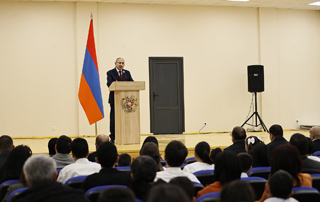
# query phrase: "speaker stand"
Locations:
[[257, 116]]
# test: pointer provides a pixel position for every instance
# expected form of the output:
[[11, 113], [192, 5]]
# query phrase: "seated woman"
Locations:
[[203, 161], [287, 157], [227, 169], [152, 150], [259, 151]]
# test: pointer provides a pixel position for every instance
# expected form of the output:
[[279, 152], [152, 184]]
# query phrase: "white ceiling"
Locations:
[[289, 4]]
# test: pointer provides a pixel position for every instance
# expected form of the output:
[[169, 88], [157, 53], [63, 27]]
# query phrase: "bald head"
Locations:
[[101, 139], [314, 132]]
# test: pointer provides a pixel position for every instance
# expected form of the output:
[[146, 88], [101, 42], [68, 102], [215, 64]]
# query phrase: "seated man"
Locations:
[[107, 156], [144, 170], [174, 155], [279, 187], [276, 137], [63, 148], [40, 174], [6, 146], [99, 140], [82, 166], [238, 138], [315, 137], [124, 160]]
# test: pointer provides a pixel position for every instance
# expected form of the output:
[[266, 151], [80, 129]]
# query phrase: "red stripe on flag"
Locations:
[[91, 46]]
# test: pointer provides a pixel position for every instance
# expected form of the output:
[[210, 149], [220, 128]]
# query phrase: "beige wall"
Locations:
[[42, 50]]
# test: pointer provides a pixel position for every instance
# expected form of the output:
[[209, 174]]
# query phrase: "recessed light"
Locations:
[[317, 3]]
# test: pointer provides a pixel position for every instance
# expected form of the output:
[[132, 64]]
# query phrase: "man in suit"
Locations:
[[276, 137], [116, 74], [238, 138], [6, 146], [315, 137]]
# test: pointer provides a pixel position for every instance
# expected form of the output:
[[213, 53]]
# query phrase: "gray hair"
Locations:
[[39, 168]]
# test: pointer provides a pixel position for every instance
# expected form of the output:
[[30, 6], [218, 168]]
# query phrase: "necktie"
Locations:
[[120, 75]]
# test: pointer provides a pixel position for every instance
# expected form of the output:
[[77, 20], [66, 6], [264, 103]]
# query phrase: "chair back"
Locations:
[[311, 170], [93, 193], [306, 194], [317, 153], [4, 187], [190, 160], [197, 187], [124, 168], [210, 197], [205, 176], [316, 181], [263, 172], [75, 182], [15, 193], [258, 185]]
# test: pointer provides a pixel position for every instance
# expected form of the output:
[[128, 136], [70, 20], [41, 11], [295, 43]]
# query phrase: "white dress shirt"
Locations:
[[197, 166], [81, 167], [275, 199], [172, 172]]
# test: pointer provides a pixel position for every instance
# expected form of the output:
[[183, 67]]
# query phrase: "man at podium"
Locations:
[[116, 74]]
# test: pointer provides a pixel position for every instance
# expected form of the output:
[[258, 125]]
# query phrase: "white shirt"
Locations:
[[244, 175], [275, 199], [81, 167], [315, 158], [173, 172], [197, 166]]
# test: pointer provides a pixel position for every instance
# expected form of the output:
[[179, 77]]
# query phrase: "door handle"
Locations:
[[154, 96]]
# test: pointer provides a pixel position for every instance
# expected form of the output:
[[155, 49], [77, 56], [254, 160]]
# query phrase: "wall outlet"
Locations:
[[297, 120], [205, 123], [53, 128]]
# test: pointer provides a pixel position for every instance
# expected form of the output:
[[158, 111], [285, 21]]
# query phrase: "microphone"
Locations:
[[124, 75]]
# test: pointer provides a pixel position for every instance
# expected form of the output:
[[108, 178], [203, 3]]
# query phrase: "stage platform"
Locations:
[[39, 145]]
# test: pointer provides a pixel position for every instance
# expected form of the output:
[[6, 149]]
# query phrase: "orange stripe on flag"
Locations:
[[88, 102]]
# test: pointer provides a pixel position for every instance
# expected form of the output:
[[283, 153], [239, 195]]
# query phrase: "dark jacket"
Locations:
[[51, 192], [275, 143], [237, 147]]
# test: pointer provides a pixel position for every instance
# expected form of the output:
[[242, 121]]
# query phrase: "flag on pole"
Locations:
[[89, 91]]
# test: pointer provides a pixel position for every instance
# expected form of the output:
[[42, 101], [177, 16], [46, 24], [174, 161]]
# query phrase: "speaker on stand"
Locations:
[[255, 84]]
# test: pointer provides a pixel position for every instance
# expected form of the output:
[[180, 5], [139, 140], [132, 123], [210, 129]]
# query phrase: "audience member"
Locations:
[[107, 156], [21, 184], [12, 168], [116, 194], [167, 193], [261, 155], [6, 146], [124, 160], [144, 170], [152, 150], [245, 162], [310, 151], [63, 148], [237, 191], [300, 141], [40, 172], [251, 141], [279, 187], [186, 185], [276, 137], [150, 139], [175, 154], [82, 166], [99, 140], [238, 138], [214, 153], [51, 146], [315, 137], [286, 157], [203, 160], [227, 169]]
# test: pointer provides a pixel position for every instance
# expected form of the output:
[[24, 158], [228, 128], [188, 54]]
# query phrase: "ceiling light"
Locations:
[[317, 3]]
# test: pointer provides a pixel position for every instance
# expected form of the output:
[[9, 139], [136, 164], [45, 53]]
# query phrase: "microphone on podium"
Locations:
[[124, 75]]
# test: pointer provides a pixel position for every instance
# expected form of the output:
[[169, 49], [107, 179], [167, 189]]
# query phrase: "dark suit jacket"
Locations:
[[92, 156], [275, 143], [316, 145], [107, 176], [237, 147], [112, 75], [309, 164]]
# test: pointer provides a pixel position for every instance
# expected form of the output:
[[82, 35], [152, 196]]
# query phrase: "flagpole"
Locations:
[[95, 128]]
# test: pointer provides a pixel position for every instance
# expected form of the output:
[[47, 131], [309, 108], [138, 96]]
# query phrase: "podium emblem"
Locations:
[[129, 104]]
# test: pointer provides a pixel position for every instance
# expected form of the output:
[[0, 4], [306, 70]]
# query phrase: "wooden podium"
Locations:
[[127, 111]]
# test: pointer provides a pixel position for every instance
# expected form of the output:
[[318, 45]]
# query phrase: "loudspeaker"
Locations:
[[255, 78]]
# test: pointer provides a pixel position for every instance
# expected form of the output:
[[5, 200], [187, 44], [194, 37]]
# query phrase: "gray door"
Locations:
[[166, 95]]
